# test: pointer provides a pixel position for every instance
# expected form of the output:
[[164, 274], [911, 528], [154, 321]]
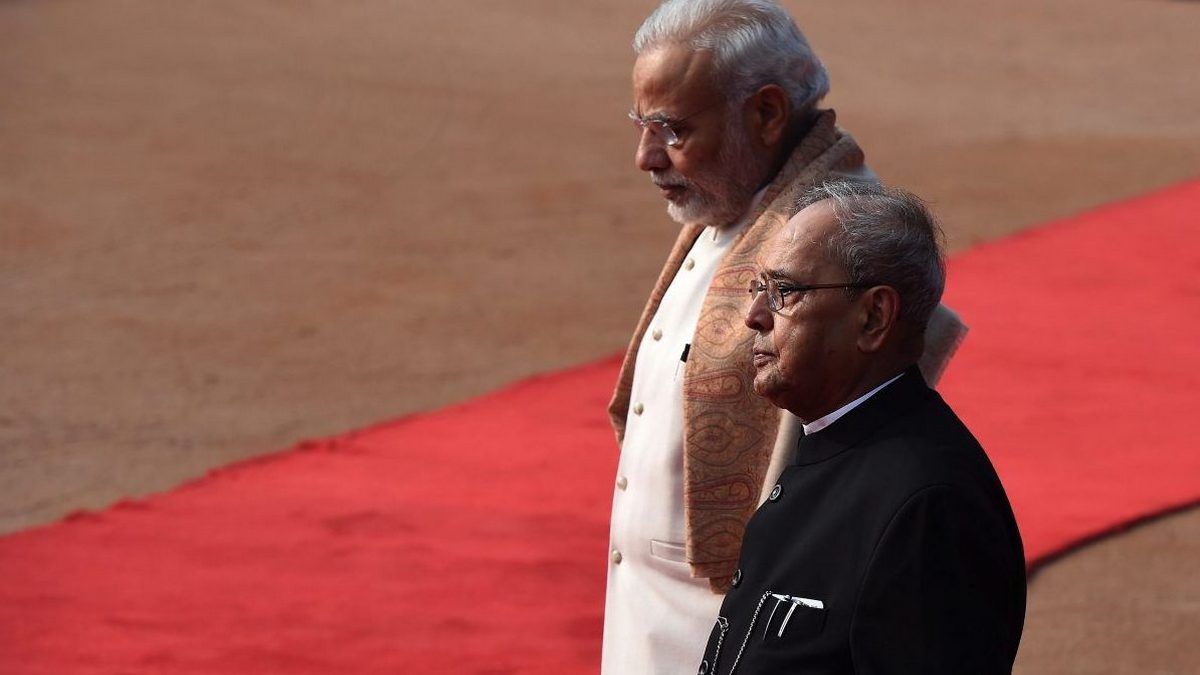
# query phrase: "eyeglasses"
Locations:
[[778, 290], [660, 124]]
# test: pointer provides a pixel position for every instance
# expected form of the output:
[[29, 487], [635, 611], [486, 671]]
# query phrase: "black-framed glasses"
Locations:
[[660, 124], [777, 290]]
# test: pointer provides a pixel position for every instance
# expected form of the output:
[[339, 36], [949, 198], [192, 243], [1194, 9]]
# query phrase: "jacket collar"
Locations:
[[894, 400]]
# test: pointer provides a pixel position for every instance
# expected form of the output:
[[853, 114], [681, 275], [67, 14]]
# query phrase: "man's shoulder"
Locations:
[[929, 446]]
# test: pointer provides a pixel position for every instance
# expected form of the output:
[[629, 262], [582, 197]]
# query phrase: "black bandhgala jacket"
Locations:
[[887, 546]]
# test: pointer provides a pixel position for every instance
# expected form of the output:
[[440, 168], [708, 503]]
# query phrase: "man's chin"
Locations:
[[680, 214], [695, 209], [690, 214], [762, 387]]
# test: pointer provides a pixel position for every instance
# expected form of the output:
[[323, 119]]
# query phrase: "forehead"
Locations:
[[672, 79], [797, 248]]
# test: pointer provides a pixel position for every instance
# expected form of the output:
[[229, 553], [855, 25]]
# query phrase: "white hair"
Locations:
[[886, 236], [754, 43]]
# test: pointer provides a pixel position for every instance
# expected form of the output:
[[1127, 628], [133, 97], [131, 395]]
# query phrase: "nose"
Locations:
[[651, 152], [759, 316]]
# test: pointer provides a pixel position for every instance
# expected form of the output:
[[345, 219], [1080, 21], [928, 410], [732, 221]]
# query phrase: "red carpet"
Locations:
[[472, 540], [1081, 371]]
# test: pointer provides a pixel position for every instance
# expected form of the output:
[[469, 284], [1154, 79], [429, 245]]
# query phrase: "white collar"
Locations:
[[822, 422]]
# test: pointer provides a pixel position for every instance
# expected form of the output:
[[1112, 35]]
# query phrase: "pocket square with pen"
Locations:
[[793, 615]]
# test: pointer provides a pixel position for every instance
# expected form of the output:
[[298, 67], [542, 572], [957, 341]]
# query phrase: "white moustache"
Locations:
[[668, 179]]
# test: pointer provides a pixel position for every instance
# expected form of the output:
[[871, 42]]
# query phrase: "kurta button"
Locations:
[[689, 264], [638, 408], [657, 334], [622, 483], [737, 578], [616, 557], [776, 491]]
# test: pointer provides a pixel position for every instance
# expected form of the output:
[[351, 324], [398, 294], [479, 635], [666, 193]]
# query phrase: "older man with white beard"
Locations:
[[726, 96]]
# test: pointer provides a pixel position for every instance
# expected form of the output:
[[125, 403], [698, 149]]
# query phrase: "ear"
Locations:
[[879, 307], [767, 114]]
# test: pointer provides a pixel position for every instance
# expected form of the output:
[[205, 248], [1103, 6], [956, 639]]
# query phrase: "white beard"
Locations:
[[720, 195]]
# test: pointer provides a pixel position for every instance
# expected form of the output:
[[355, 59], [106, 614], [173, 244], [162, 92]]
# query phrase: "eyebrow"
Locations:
[[777, 275], [658, 116]]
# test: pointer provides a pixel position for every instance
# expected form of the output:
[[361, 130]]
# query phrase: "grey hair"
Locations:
[[754, 43], [888, 237]]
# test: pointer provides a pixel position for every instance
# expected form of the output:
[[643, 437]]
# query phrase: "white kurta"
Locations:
[[657, 617]]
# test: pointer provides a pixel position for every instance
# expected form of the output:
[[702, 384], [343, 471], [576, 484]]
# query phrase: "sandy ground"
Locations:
[[225, 226]]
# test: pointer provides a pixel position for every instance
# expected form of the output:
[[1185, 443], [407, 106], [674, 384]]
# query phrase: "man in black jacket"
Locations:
[[888, 544]]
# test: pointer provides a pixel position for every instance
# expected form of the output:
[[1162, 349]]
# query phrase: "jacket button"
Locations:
[[689, 264], [657, 334], [737, 578], [616, 557], [622, 483], [775, 492], [638, 408]]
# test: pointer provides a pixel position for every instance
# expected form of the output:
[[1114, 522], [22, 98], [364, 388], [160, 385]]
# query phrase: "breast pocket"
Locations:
[[792, 618], [781, 629], [669, 551]]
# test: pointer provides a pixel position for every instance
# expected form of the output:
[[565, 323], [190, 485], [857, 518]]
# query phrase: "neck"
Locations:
[[779, 155], [872, 375], [796, 133], [875, 375]]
